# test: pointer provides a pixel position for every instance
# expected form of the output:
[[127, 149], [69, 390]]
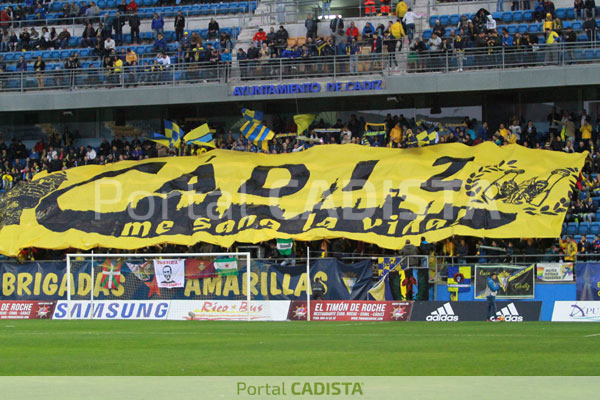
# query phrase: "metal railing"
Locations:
[[332, 68]]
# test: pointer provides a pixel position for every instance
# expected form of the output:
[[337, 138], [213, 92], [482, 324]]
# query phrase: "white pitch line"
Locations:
[[595, 334]]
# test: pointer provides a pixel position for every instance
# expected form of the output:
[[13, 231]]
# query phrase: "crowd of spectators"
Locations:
[[568, 132]]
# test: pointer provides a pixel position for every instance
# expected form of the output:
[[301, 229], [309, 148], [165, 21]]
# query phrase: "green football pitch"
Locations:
[[297, 348]]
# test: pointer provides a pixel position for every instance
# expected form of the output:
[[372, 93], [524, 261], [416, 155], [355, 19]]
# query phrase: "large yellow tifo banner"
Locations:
[[377, 195]]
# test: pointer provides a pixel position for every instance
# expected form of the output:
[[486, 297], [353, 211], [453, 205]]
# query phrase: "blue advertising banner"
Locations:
[[134, 279], [588, 281], [34, 281]]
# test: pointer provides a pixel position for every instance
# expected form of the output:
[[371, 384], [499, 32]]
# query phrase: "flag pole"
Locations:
[[308, 284], [92, 291]]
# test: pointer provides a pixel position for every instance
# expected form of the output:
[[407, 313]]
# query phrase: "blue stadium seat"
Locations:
[[454, 19], [204, 9], [577, 54], [111, 4], [499, 28], [577, 25], [528, 15], [534, 28], [447, 31], [26, 56], [596, 201], [589, 54], [56, 6], [507, 17], [522, 28], [512, 29], [224, 8], [253, 5], [567, 24], [9, 57], [102, 4], [427, 34], [572, 228], [64, 54], [497, 16], [561, 13], [432, 20], [584, 228], [195, 9], [517, 16], [444, 19], [576, 238], [595, 228], [570, 13]]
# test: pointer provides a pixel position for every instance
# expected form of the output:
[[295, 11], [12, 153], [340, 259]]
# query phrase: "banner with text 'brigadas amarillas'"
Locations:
[[377, 195]]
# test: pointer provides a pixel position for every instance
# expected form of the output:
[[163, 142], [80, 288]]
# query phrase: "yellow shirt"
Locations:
[[548, 25], [512, 138], [397, 30], [552, 37], [586, 131], [401, 9], [396, 135], [503, 132], [118, 65]]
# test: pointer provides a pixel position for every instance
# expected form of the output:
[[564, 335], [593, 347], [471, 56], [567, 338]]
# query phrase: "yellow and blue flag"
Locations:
[[173, 132], [160, 139], [201, 135], [254, 130], [425, 138], [386, 264], [252, 115]]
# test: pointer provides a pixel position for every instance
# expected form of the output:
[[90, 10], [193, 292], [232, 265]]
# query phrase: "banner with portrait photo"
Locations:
[[170, 273], [516, 282]]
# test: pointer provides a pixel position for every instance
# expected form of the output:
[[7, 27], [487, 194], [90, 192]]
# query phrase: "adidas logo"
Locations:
[[445, 313], [510, 313]]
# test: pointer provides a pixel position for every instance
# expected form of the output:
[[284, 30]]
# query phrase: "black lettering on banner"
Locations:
[[255, 184], [205, 175], [437, 183], [360, 175]]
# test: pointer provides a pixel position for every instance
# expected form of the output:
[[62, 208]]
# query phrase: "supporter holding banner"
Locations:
[[554, 272], [356, 192], [588, 281], [515, 282]]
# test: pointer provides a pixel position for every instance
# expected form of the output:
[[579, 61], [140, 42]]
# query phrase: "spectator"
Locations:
[[409, 22], [259, 37], [367, 32], [352, 32], [92, 11], [39, 67], [225, 41], [586, 130], [157, 25], [311, 27], [242, 59], [281, 37], [226, 60], [109, 45], [131, 7], [589, 26], [160, 44], [336, 24], [438, 29], [376, 50], [63, 39], [88, 37], [179, 25], [122, 8], [578, 6], [118, 22], [213, 29], [590, 8], [252, 55], [21, 65], [326, 8], [134, 25]]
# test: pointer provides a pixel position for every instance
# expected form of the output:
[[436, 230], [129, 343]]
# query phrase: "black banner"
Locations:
[[516, 282], [456, 311]]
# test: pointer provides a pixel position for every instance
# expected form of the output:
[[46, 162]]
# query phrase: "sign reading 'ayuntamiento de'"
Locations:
[[376, 195], [308, 87]]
